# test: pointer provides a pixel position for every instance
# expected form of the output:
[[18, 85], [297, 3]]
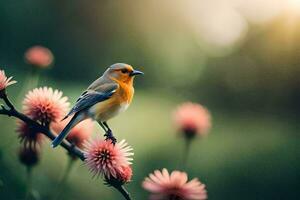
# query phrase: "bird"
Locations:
[[104, 99]]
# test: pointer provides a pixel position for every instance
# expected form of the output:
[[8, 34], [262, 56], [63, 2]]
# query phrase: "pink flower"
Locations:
[[191, 119], [4, 81], [28, 135], [45, 105], [104, 158], [39, 56], [78, 134], [165, 186], [125, 174]]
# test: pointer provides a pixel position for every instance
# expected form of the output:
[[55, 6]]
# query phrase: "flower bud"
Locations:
[[29, 156]]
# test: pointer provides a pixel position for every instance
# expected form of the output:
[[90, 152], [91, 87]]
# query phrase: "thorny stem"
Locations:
[[73, 150]]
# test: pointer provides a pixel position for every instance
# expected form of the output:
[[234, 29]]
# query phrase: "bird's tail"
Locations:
[[75, 120]]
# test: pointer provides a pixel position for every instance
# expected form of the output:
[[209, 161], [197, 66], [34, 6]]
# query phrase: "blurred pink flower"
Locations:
[[104, 158], [4, 81], [28, 136], [191, 119], [79, 134], [165, 186], [125, 174], [45, 105], [39, 56], [29, 156]]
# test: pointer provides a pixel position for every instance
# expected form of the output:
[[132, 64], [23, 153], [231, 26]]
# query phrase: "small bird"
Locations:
[[105, 98]]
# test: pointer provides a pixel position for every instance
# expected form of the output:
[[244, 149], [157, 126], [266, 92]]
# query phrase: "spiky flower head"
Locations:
[[165, 186], [28, 136], [106, 159], [77, 135], [192, 119], [45, 104], [39, 56], [4, 81]]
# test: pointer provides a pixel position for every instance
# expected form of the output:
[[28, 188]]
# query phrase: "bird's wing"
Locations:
[[91, 97]]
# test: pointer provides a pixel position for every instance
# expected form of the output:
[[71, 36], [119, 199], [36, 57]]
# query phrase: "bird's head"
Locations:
[[122, 72]]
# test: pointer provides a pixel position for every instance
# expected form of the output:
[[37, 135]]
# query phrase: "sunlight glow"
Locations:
[[294, 3], [294, 6]]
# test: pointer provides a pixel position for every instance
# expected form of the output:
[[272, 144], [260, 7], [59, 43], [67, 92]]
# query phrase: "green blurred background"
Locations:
[[239, 58]]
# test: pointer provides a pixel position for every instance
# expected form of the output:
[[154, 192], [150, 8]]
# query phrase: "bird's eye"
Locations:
[[124, 71]]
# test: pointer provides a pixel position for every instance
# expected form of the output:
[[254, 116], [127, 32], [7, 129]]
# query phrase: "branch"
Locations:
[[73, 150], [3, 95]]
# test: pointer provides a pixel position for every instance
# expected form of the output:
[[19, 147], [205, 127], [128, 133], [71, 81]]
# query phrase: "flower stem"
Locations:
[[29, 182], [123, 191], [31, 80], [34, 79], [66, 174], [186, 151]]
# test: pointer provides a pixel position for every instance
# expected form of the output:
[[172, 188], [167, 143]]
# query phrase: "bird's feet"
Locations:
[[109, 136]]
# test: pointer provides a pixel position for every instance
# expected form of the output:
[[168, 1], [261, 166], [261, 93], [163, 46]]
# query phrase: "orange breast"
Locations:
[[119, 102], [124, 93]]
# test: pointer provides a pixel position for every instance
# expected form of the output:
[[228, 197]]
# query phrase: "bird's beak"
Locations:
[[136, 72]]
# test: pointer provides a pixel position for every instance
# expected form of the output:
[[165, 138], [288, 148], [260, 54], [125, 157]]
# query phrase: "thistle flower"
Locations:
[[29, 156], [28, 135], [192, 119], [165, 186], [45, 105], [79, 134], [4, 81], [105, 159], [39, 56]]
